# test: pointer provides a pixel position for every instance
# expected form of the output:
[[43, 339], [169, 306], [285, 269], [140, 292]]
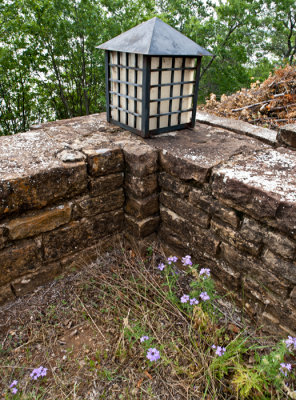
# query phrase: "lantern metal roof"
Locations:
[[156, 38]]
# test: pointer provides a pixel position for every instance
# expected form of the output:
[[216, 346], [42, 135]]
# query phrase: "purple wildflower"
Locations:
[[153, 354], [285, 368], [184, 298], [205, 272], [204, 296], [219, 350], [186, 261], [38, 372], [143, 338], [161, 266], [291, 342], [13, 383], [193, 301], [172, 259], [14, 390]]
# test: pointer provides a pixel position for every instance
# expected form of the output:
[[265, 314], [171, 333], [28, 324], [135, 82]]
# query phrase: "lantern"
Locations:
[[152, 77]]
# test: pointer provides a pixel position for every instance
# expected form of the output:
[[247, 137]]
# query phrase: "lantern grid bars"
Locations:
[[152, 93]]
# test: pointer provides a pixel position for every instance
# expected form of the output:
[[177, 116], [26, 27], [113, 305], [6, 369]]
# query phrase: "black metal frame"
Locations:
[[146, 87]]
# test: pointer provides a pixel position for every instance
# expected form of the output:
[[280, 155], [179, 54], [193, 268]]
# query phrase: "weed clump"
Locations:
[[128, 327]]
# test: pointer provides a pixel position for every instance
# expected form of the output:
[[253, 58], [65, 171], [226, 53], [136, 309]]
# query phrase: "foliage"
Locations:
[[50, 67]]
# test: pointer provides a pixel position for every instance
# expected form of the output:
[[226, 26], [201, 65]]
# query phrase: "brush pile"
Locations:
[[271, 103]]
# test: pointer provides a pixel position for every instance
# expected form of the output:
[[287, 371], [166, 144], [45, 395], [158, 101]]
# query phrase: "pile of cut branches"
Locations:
[[271, 103]]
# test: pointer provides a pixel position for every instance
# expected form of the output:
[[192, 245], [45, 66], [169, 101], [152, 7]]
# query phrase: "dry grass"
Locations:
[[85, 329]]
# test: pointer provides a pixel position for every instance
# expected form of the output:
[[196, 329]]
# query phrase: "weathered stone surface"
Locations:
[[104, 161], [280, 267], [3, 236], [213, 207], [142, 208], [76, 261], [106, 184], [198, 239], [37, 222], [287, 135], [78, 235], [191, 154], [88, 206], [141, 160], [280, 244], [69, 239], [176, 243], [42, 188], [110, 223], [18, 260], [252, 231], [141, 186], [265, 135], [262, 184], [227, 233], [6, 293], [173, 184], [293, 296], [182, 228], [142, 228], [258, 289], [71, 156], [183, 168], [185, 209], [38, 277]]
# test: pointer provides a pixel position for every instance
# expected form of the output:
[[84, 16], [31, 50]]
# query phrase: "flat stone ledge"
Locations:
[[190, 154], [287, 135], [265, 135], [261, 184]]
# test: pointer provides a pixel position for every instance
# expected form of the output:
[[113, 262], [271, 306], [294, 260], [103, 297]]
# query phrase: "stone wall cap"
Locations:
[[268, 136]]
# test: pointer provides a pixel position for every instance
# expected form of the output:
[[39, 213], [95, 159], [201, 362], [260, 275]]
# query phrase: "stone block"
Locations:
[[286, 215], [104, 161], [183, 168], [3, 236], [140, 229], [78, 235], [140, 159], [45, 187], [293, 296], [287, 135], [111, 223], [185, 209], [173, 184], [213, 207], [261, 292], [105, 184], [69, 239], [172, 221], [261, 184], [280, 244], [141, 187], [6, 294], [38, 277], [18, 260], [142, 208], [174, 241], [227, 233], [279, 266], [222, 273], [87, 206], [253, 231], [38, 222], [194, 198]]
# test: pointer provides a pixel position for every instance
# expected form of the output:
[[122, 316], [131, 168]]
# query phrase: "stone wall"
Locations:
[[228, 200]]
